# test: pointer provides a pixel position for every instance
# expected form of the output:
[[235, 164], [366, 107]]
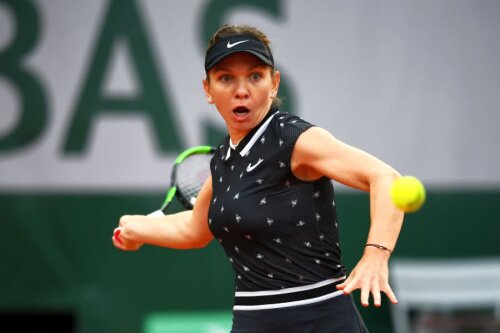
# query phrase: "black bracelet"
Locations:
[[379, 247]]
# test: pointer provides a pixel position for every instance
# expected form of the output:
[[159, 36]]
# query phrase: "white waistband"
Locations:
[[278, 301], [287, 290], [288, 304]]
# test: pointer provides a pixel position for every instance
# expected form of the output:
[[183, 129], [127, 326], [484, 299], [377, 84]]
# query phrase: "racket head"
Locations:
[[190, 171]]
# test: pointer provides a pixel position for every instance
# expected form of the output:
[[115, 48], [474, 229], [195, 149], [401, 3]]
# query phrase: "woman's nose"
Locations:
[[242, 89]]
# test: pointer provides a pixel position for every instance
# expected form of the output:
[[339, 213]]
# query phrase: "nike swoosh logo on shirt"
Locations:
[[250, 167], [229, 45]]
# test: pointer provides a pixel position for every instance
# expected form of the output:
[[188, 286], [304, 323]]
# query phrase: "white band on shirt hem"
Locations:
[[287, 290], [288, 304]]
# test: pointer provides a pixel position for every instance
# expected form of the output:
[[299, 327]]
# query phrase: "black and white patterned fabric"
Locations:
[[277, 231]]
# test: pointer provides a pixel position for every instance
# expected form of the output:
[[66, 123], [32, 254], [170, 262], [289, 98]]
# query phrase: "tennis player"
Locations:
[[270, 203]]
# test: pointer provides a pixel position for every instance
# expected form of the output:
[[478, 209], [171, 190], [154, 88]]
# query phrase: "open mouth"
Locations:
[[241, 111]]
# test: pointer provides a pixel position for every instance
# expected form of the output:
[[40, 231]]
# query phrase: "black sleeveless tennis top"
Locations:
[[277, 230]]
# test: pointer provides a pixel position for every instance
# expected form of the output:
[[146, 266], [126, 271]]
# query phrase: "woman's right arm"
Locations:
[[184, 230]]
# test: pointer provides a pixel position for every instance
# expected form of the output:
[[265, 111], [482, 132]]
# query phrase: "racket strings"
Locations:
[[192, 173]]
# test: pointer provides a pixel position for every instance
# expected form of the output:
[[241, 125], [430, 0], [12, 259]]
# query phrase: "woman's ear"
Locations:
[[206, 87], [276, 77]]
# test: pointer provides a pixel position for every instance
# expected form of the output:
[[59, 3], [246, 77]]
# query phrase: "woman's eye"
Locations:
[[225, 78], [256, 76]]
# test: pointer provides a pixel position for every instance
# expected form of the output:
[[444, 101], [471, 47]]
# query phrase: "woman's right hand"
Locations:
[[121, 237]]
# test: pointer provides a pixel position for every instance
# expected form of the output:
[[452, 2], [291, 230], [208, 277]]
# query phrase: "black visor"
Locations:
[[238, 43]]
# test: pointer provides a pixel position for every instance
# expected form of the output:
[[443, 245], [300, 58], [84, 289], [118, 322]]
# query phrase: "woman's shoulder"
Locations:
[[287, 128], [285, 120]]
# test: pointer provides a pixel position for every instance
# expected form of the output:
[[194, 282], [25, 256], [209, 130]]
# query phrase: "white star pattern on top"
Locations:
[[265, 213]]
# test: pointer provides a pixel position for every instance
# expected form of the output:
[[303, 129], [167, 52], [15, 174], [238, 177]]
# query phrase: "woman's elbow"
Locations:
[[201, 243], [393, 174], [383, 176]]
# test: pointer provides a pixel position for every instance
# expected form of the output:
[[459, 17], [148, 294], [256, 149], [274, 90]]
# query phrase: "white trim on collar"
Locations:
[[231, 144], [252, 141], [256, 136]]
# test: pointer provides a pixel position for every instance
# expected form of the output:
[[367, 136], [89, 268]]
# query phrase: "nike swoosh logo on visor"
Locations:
[[250, 167], [229, 45]]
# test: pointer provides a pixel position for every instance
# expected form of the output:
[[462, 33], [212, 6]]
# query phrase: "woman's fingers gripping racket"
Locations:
[[116, 234], [123, 242]]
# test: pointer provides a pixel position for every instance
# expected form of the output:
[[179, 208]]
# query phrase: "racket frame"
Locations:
[[172, 191]]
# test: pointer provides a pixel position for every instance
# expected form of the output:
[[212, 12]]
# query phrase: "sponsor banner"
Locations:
[[102, 95]]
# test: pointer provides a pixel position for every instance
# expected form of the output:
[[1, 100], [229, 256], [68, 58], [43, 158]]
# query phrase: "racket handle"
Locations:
[[156, 213]]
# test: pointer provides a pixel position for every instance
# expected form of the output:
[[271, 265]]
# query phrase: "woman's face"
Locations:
[[242, 88]]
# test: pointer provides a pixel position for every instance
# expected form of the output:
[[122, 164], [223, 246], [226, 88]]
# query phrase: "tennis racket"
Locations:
[[190, 171]]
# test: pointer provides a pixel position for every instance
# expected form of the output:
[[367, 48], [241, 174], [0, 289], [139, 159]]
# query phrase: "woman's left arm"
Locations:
[[317, 153]]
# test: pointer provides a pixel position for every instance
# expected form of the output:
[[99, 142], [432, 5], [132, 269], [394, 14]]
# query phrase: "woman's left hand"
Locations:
[[371, 275]]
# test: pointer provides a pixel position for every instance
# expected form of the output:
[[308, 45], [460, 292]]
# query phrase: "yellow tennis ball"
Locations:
[[408, 193]]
